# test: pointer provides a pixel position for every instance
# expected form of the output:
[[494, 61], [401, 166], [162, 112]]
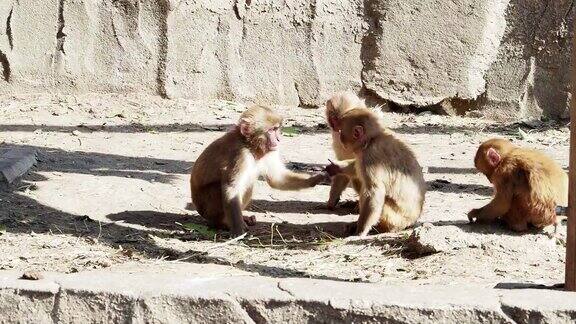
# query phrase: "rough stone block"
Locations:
[[29, 44], [420, 53], [428, 239], [113, 45], [14, 163], [23, 301], [295, 53]]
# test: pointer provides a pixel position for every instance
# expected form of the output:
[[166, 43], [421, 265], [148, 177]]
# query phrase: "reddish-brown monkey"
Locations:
[[224, 174], [393, 187], [528, 185]]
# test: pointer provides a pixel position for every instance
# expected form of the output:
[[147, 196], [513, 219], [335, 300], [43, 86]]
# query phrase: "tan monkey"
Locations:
[[393, 186], [528, 185], [224, 174], [336, 106]]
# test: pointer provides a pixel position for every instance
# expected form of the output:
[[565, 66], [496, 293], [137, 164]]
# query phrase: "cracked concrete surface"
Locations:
[[189, 293]]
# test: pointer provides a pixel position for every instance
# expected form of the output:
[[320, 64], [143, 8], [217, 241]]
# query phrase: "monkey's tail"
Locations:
[[561, 210]]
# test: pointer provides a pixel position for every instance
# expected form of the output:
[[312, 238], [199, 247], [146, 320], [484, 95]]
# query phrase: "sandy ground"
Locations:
[[111, 188]]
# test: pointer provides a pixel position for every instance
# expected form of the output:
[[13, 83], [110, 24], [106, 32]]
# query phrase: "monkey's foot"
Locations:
[[250, 220], [331, 205], [473, 215], [351, 229], [351, 204]]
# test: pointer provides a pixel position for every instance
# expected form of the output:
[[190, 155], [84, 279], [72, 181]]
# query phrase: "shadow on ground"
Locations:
[[21, 214]]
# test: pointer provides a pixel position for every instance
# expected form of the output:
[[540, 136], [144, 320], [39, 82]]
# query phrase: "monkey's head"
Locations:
[[490, 154], [357, 126], [339, 104], [260, 126]]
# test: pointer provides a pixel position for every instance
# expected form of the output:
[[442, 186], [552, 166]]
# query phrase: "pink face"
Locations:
[[273, 137]]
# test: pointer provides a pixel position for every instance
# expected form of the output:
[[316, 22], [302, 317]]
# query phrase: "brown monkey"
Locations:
[[224, 174], [336, 106], [393, 187], [528, 185]]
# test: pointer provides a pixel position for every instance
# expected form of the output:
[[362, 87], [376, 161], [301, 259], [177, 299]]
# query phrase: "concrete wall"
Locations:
[[506, 58]]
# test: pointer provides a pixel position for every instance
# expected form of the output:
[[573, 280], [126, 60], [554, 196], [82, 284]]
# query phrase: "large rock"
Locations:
[[507, 59], [28, 43], [112, 45], [422, 52], [296, 52], [531, 75]]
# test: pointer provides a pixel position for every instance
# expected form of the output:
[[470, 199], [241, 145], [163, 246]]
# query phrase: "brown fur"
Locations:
[[336, 106], [393, 186], [528, 186], [224, 174]]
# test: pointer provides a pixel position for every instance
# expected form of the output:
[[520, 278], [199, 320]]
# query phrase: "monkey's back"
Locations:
[[539, 184], [402, 174], [216, 158]]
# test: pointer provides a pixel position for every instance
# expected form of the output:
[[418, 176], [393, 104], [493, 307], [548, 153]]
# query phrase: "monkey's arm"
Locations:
[[279, 177], [371, 204], [233, 216], [347, 167], [496, 208]]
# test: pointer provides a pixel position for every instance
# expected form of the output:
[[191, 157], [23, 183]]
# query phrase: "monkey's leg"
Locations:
[[233, 209], [372, 202], [518, 225], [339, 183], [393, 219], [516, 218], [357, 185], [208, 203]]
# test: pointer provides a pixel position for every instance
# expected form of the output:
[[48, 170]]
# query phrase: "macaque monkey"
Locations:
[[224, 174], [528, 186], [336, 106], [392, 184]]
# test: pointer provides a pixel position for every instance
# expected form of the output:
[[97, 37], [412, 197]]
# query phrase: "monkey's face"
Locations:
[[273, 138]]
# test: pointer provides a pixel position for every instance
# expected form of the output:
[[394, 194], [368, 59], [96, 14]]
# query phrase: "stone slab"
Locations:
[[14, 163], [189, 293]]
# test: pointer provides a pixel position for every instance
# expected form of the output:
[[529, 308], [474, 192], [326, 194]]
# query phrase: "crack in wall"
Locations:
[[9, 29], [6, 72], [279, 285], [60, 35], [161, 73]]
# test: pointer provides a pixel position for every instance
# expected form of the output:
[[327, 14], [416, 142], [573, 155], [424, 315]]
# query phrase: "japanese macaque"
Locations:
[[336, 106], [528, 186], [224, 174], [392, 184]]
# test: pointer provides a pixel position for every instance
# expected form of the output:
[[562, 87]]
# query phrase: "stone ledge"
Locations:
[[14, 163], [184, 296]]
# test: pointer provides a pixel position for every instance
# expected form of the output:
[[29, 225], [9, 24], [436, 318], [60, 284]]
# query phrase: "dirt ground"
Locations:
[[111, 188]]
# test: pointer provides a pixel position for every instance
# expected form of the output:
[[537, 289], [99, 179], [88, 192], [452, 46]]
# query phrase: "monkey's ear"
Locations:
[[245, 128], [493, 157], [329, 105], [358, 132]]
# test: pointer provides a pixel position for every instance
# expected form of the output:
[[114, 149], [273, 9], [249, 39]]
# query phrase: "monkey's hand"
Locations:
[[474, 214], [319, 178], [332, 169], [235, 232]]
